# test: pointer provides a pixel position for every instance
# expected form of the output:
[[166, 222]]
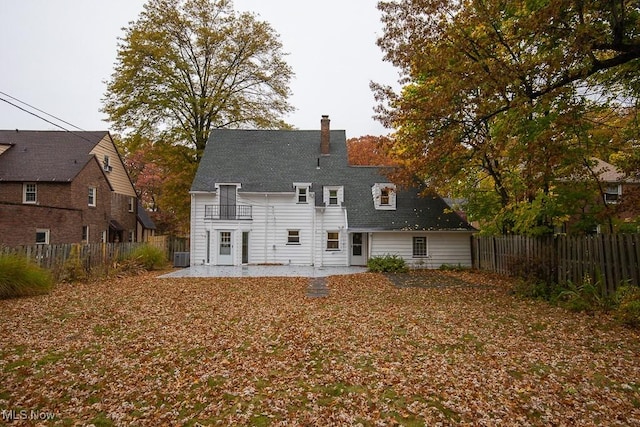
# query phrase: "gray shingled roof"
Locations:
[[50, 156], [144, 218], [272, 160]]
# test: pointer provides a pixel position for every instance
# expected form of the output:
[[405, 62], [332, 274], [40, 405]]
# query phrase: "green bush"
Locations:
[[628, 309], [453, 267], [148, 257], [587, 296], [387, 264], [18, 277]]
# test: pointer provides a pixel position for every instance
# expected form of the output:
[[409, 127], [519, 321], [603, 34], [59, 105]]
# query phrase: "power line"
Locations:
[[39, 110], [42, 118]]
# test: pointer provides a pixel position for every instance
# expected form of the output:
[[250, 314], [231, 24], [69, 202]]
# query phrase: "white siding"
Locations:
[[331, 218], [443, 247], [273, 215]]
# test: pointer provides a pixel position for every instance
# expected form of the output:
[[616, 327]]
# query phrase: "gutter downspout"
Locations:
[[266, 225]]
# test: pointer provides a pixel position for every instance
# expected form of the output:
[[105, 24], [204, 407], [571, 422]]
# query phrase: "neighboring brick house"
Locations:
[[64, 187]]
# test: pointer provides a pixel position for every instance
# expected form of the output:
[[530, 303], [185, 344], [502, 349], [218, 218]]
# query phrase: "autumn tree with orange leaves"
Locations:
[[501, 100], [369, 150]]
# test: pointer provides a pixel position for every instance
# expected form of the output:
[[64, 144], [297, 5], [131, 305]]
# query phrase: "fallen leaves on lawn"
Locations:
[[255, 351]]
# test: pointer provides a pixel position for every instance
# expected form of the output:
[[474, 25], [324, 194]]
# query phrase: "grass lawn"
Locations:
[[454, 348]]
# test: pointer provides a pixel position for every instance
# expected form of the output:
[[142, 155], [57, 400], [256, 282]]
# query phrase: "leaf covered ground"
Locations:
[[454, 348]]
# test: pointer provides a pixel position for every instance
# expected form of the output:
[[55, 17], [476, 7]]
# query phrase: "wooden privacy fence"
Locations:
[[170, 244], [611, 258], [92, 256]]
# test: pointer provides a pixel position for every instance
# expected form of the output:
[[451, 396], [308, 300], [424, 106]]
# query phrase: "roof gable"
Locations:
[[49, 156]]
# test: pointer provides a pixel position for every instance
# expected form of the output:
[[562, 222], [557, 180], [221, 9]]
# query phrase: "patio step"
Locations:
[[317, 288]]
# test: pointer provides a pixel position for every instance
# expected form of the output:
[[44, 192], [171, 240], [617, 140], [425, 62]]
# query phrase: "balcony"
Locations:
[[227, 212]]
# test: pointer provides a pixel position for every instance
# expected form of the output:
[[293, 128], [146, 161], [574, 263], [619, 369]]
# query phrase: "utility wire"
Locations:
[[46, 120], [41, 111]]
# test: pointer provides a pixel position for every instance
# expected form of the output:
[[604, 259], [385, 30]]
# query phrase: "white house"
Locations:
[[290, 197]]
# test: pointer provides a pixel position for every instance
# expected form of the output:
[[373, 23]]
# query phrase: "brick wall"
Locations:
[[62, 208]]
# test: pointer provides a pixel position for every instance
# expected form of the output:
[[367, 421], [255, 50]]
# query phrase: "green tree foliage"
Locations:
[[185, 67], [507, 97]]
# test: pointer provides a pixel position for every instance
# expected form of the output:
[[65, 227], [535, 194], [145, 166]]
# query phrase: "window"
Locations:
[[132, 202], [29, 193], [384, 197], [103, 237], [333, 241], [333, 197], [612, 194], [132, 236], [85, 233], [92, 196], [106, 164], [293, 237], [42, 236], [302, 195], [419, 246]]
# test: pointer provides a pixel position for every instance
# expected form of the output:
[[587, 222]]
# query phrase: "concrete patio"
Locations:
[[263, 271]]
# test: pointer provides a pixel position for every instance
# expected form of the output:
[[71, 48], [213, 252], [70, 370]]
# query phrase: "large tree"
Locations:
[[185, 67], [504, 95]]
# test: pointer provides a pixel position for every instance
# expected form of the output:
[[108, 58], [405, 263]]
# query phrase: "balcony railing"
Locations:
[[229, 212]]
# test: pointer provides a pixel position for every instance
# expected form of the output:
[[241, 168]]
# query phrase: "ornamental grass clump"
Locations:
[[19, 278], [149, 257]]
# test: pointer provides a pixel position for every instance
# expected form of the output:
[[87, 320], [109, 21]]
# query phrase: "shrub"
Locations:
[[586, 296], [387, 264], [73, 270], [453, 267], [148, 257], [535, 289], [19, 277], [628, 309]]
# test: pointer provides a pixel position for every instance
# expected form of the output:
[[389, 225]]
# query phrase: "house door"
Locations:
[[358, 249], [245, 247], [225, 248], [227, 202]]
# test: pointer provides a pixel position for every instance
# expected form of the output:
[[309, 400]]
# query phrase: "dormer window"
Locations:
[[333, 196], [384, 196], [302, 191]]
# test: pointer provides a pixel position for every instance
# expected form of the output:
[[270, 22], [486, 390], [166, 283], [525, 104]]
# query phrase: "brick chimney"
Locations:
[[325, 141]]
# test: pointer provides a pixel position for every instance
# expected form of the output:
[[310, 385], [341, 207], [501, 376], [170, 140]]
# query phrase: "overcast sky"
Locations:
[[57, 54]]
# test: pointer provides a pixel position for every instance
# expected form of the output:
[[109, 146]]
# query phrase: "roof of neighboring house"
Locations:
[[608, 172], [144, 218], [50, 156], [272, 160]]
